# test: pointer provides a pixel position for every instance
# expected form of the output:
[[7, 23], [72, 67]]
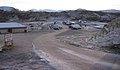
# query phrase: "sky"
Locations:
[[62, 4]]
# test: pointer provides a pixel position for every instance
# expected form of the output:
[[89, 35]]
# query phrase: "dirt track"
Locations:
[[66, 57], [22, 57]]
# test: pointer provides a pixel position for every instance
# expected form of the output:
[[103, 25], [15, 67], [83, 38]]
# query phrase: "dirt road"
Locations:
[[22, 57], [66, 57]]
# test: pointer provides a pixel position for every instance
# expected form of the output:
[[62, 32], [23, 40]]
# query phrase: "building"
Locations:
[[12, 27], [8, 29]]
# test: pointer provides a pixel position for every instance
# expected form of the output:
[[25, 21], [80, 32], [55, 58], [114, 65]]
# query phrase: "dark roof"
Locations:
[[11, 25]]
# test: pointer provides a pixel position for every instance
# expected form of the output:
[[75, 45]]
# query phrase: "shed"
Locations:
[[8, 29]]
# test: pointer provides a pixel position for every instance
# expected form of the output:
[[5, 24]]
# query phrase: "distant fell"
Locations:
[[6, 8], [45, 10], [111, 11]]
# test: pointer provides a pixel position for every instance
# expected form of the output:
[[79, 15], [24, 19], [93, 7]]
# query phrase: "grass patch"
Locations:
[[5, 48], [113, 49]]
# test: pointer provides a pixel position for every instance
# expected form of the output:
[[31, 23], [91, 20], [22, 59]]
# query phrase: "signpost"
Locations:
[[8, 39]]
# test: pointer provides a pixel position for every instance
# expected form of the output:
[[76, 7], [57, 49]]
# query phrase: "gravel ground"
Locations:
[[78, 38], [83, 38], [67, 57], [21, 56]]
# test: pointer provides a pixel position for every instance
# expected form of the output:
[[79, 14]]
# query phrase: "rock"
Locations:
[[1, 48], [109, 39], [89, 46], [35, 66]]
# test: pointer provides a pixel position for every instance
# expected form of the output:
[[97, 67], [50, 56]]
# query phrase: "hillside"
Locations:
[[109, 36], [111, 26], [16, 15], [91, 15]]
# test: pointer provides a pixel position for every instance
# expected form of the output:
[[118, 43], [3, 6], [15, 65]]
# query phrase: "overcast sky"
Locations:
[[62, 4]]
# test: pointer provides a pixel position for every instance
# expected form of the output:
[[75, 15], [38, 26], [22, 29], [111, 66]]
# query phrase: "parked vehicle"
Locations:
[[64, 22], [57, 27], [75, 26], [69, 23]]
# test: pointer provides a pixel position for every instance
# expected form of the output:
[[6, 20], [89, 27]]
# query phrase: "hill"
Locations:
[[7, 8], [111, 11], [79, 14], [109, 36], [45, 10]]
